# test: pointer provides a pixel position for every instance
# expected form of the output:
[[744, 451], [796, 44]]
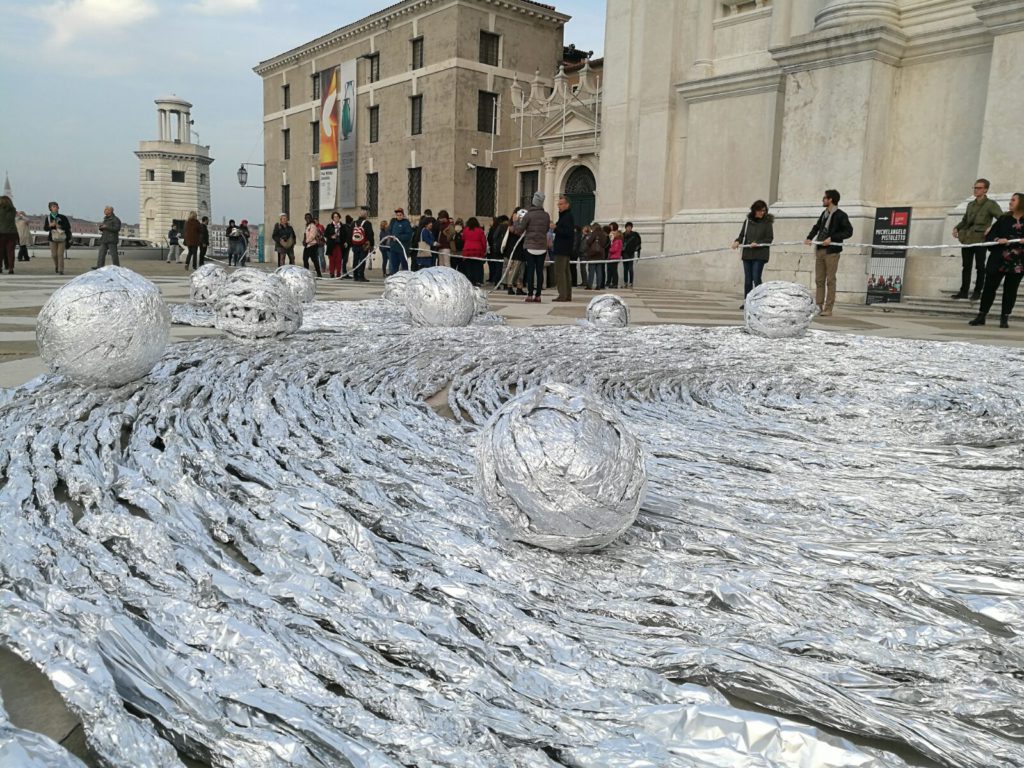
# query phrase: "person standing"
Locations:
[[425, 253], [1006, 261], [401, 230], [110, 229], [58, 229], [244, 250], [8, 234], [980, 214], [614, 256], [443, 236], [24, 235], [204, 239], [595, 244], [474, 251], [311, 245], [631, 245], [562, 247], [534, 227], [334, 235], [173, 245], [361, 240], [236, 244], [381, 235], [193, 239], [284, 240], [755, 235], [832, 228]]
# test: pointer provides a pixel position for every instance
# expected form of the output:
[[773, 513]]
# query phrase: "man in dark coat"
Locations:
[[109, 229], [831, 228], [565, 229]]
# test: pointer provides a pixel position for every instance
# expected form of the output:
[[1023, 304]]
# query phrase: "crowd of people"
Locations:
[[523, 252]]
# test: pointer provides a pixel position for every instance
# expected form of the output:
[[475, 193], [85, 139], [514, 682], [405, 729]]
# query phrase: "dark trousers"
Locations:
[[312, 253], [494, 270], [359, 257], [627, 269], [562, 277], [612, 274], [193, 257], [972, 257], [992, 280], [535, 273], [751, 275], [574, 273], [104, 250], [595, 276], [7, 245], [202, 254], [23, 253], [474, 269]]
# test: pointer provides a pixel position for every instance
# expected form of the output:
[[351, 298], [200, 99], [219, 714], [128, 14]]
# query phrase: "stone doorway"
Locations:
[[580, 188]]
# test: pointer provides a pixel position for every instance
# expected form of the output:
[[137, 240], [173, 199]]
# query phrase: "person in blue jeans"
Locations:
[[401, 230], [755, 236]]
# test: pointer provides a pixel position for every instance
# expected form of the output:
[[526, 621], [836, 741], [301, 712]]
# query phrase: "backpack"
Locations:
[[358, 236]]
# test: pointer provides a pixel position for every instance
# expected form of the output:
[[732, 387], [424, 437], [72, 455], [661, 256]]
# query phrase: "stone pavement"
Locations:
[[30, 699]]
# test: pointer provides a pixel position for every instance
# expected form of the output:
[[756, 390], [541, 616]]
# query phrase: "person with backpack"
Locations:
[[361, 243]]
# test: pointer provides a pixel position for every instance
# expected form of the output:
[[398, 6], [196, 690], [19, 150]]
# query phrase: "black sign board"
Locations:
[[892, 228]]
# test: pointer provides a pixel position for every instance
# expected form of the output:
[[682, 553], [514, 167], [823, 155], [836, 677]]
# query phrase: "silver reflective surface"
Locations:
[[105, 328], [560, 469], [440, 297], [275, 554], [608, 311], [253, 305], [779, 310], [396, 285], [25, 749], [300, 282], [205, 283]]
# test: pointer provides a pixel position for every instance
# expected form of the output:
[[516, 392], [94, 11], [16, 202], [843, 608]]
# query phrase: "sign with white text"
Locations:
[[886, 268]]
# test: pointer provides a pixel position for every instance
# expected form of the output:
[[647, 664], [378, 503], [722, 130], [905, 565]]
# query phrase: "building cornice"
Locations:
[[1001, 16], [382, 19], [816, 50], [156, 154], [736, 84]]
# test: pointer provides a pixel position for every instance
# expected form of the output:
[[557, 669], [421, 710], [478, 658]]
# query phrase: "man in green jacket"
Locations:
[[980, 214]]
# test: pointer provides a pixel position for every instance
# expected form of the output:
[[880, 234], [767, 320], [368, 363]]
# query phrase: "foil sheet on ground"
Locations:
[[275, 555]]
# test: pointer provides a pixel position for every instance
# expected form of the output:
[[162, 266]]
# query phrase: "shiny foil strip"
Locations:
[[441, 297], [276, 555], [779, 310], [24, 749]]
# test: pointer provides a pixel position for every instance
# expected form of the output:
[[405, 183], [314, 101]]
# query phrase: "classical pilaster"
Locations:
[[841, 13]]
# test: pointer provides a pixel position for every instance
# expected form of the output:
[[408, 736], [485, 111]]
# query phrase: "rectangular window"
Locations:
[[486, 108], [374, 60], [486, 191], [178, 176], [528, 182], [150, 174], [374, 124], [316, 86], [286, 96], [286, 144], [286, 200], [415, 190], [417, 53], [202, 178], [371, 194], [314, 128], [489, 45], [314, 197], [416, 115]]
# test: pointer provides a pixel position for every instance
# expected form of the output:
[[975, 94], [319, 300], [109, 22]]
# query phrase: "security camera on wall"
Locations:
[[470, 167]]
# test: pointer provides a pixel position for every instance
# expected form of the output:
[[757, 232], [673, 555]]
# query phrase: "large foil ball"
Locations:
[[779, 310], [106, 327], [206, 282], [561, 469], [300, 282], [396, 286], [440, 297], [254, 305], [608, 311]]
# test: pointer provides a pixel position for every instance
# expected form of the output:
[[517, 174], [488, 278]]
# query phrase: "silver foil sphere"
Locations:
[[779, 310], [440, 296], [561, 469], [254, 305], [206, 283], [608, 311], [300, 282], [396, 286], [106, 327]]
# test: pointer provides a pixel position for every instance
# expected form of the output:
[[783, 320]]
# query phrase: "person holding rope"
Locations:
[[361, 241], [1006, 260], [832, 227], [534, 226], [401, 230], [755, 236], [980, 213]]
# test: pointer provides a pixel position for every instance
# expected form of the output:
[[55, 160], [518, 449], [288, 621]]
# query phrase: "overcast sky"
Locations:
[[80, 76]]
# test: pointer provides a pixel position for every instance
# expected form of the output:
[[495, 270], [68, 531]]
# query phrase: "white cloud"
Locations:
[[223, 7], [76, 18]]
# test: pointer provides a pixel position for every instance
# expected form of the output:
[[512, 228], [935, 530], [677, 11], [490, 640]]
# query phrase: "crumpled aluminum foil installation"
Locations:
[[608, 311], [561, 469], [106, 327], [396, 286], [254, 306], [206, 283], [440, 297], [275, 554], [482, 301], [26, 749], [779, 310], [300, 282]]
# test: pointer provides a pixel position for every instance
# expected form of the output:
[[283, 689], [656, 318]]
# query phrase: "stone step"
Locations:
[[936, 305]]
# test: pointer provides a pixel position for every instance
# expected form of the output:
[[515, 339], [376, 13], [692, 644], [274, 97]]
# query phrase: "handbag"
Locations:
[[288, 242], [58, 235]]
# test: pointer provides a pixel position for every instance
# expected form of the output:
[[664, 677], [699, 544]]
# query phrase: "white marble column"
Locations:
[[186, 123], [782, 18], [181, 126], [840, 13], [702, 62]]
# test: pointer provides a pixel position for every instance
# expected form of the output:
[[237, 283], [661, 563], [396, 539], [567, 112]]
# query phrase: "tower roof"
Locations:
[[172, 99]]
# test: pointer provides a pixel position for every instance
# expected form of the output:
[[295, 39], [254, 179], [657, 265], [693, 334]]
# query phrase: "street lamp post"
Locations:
[[243, 176]]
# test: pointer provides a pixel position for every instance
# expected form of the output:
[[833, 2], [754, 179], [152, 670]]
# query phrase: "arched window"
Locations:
[[580, 182]]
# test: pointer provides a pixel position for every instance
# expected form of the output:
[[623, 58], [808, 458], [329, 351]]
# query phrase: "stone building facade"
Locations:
[[453, 61], [174, 173], [711, 104]]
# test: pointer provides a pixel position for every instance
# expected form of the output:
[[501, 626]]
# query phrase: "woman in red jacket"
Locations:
[[474, 251]]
